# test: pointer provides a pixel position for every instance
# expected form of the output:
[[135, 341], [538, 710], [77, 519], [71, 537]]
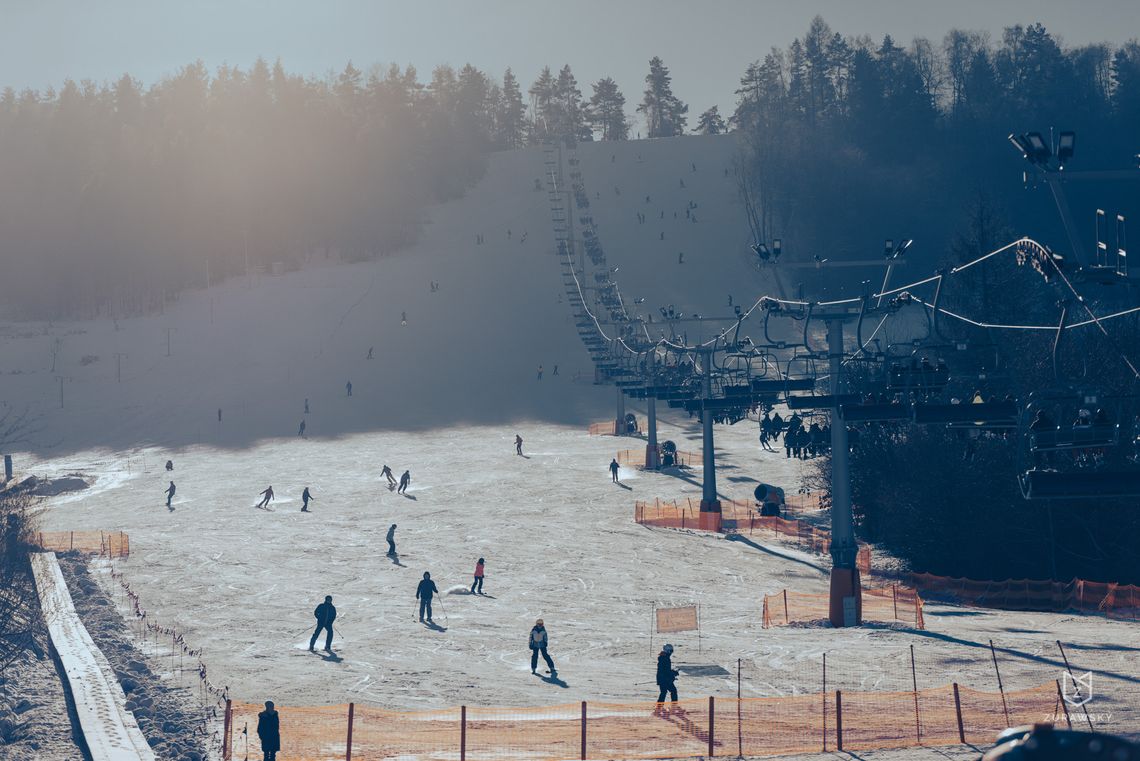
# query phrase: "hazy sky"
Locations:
[[706, 43]]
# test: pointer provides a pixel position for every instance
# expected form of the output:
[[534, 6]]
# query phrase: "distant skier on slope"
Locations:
[[268, 497], [325, 613], [614, 469], [169, 465], [537, 642], [666, 677], [301, 429], [348, 388], [305, 497], [518, 444], [478, 582], [391, 538], [170, 493], [387, 473], [405, 479], [424, 591]]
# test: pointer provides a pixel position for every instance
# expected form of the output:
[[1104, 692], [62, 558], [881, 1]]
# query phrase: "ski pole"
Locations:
[[446, 622]]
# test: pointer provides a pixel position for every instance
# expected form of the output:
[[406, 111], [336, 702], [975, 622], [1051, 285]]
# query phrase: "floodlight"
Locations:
[[1020, 144], [761, 251], [1066, 145], [888, 247], [777, 247], [1039, 149]]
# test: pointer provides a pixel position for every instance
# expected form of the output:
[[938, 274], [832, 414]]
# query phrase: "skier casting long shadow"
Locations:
[[424, 592]]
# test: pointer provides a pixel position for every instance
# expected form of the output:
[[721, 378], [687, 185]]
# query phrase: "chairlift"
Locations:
[[1053, 484]]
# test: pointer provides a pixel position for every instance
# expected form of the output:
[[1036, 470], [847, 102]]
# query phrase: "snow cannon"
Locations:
[[770, 499], [630, 424], [668, 454]]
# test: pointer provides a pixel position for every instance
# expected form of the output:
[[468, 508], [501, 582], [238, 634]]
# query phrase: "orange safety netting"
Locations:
[[112, 544], [1118, 600], [702, 727], [740, 516], [605, 428], [892, 603], [635, 458]]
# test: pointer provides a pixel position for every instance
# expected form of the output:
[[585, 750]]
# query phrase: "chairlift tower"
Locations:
[[710, 516], [846, 604]]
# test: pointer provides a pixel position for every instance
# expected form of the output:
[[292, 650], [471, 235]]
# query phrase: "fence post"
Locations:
[[895, 599], [348, 744], [583, 730], [711, 724], [914, 685], [1001, 689], [72, 540], [786, 619], [958, 710], [839, 720], [1063, 703], [462, 733], [823, 701], [739, 715], [227, 726]]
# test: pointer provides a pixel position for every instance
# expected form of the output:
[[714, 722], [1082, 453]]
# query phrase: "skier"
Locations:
[[306, 405], [305, 497], [478, 578], [387, 473], [325, 614], [555, 370], [666, 677], [540, 372], [370, 352], [268, 495], [680, 255], [348, 388], [538, 642], [391, 537], [405, 479], [169, 465], [170, 493], [269, 731], [301, 429], [614, 469], [404, 319], [424, 591], [518, 444]]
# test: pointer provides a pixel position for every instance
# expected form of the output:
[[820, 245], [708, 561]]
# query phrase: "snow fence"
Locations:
[[111, 544], [892, 603], [740, 517], [1114, 600], [709, 727]]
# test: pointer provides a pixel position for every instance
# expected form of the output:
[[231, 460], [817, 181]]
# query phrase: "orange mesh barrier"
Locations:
[[703, 727], [1115, 600], [893, 603], [605, 428], [635, 458], [111, 544], [740, 516]]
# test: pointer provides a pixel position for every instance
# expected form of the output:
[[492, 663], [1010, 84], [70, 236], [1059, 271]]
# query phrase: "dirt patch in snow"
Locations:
[[168, 715]]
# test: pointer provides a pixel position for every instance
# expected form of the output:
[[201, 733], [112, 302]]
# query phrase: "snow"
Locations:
[[444, 397]]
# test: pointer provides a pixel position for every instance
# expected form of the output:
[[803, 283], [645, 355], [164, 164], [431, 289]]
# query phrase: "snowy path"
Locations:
[[108, 727]]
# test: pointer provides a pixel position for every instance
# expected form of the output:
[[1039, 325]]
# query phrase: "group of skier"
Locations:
[[799, 442]]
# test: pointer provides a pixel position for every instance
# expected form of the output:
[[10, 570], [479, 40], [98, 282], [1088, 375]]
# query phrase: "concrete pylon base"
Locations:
[[846, 605], [710, 519], [652, 459]]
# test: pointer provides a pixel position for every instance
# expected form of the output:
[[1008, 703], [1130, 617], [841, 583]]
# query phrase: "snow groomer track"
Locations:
[[109, 729]]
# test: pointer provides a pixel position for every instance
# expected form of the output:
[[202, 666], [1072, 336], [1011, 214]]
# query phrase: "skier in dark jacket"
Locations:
[[267, 495], [305, 498], [424, 591], [614, 470], [269, 731], [405, 479], [666, 676], [325, 614], [387, 473], [391, 537], [538, 642], [170, 493]]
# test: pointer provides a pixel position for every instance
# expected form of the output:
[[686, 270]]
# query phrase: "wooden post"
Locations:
[[227, 727], [583, 730], [839, 720], [958, 710], [786, 619], [1001, 689], [895, 599], [712, 722], [739, 715], [1064, 704], [72, 540], [462, 733], [348, 743], [823, 702], [914, 685]]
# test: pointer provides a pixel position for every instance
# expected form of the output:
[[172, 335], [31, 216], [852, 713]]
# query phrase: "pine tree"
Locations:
[[664, 113], [541, 100], [607, 111], [571, 118], [511, 118], [710, 123]]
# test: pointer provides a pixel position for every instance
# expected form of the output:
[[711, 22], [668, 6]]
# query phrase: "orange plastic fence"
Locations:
[[1117, 600], [605, 428], [893, 603], [111, 544], [740, 516], [635, 458], [703, 727]]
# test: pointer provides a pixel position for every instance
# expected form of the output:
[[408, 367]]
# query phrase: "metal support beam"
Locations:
[[652, 455], [846, 608], [710, 518], [619, 415]]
